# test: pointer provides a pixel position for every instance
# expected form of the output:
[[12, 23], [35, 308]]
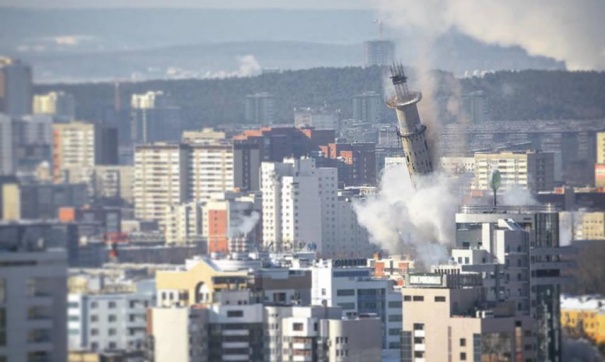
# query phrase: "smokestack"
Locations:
[[410, 128]]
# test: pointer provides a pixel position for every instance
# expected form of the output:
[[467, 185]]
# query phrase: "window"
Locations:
[[111, 318], [462, 342], [394, 331], [111, 331], [418, 298], [94, 346], [418, 326], [347, 305], [235, 313], [94, 305], [439, 299], [112, 345], [345, 292], [407, 298], [111, 305], [462, 356], [72, 305], [297, 326], [394, 304], [74, 332], [395, 318], [73, 318], [94, 318], [2, 290], [94, 332]]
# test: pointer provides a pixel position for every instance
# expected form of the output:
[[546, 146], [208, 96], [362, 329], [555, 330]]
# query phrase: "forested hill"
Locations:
[[523, 95]]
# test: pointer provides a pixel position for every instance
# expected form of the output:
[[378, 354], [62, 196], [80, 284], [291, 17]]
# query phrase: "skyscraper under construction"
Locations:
[[410, 128]]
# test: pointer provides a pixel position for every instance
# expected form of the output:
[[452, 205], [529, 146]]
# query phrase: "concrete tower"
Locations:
[[410, 129]]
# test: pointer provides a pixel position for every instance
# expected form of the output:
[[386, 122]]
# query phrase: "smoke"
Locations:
[[242, 223], [567, 30], [402, 215], [518, 196], [248, 66]]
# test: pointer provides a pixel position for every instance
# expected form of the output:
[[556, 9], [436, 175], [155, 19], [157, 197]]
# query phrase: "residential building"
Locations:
[[475, 107], [10, 198], [318, 119], [109, 316], [211, 170], [113, 184], [272, 144], [183, 223], [349, 284], [378, 52], [96, 222], [299, 205], [584, 316], [60, 105], [33, 293], [600, 160], [206, 135], [161, 179], [154, 118], [530, 170], [260, 108], [368, 107], [7, 156], [358, 162], [15, 87], [43, 200], [458, 165], [352, 239], [520, 248], [446, 319], [79, 146], [253, 332], [588, 225]]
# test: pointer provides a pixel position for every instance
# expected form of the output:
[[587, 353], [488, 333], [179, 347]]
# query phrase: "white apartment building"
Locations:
[[530, 170], [73, 151], [317, 118], [160, 179], [352, 240], [33, 293], [59, 104], [6, 145], [113, 182], [36, 129], [299, 205], [457, 165], [211, 169], [355, 291], [110, 318], [183, 223], [236, 331]]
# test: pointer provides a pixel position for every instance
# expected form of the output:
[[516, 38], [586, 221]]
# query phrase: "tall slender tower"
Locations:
[[410, 129]]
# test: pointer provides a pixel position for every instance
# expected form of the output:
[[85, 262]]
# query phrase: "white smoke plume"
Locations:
[[518, 196], [401, 215], [567, 30], [242, 223], [248, 66]]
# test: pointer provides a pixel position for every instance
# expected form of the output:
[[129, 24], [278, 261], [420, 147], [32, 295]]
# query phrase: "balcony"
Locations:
[[241, 332], [235, 345], [301, 358], [420, 347], [419, 333], [305, 345]]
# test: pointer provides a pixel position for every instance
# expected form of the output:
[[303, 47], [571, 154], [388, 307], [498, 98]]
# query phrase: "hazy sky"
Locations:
[[221, 4]]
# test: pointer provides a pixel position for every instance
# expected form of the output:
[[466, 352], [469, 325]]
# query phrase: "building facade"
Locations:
[[260, 108], [367, 107], [60, 105], [15, 87]]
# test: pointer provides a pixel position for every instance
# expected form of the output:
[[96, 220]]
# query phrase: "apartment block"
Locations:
[[109, 317], [154, 118], [60, 105], [183, 224], [584, 315], [79, 146], [358, 162], [7, 156], [299, 205], [113, 184], [15, 87], [350, 285], [260, 108], [446, 319], [368, 107], [33, 293], [352, 239], [211, 170], [530, 170], [316, 118]]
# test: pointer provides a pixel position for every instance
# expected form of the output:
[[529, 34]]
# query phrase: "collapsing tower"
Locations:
[[410, 129]]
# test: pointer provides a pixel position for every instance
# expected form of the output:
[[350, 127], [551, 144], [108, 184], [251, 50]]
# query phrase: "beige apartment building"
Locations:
[[445, 320], [530, 170]]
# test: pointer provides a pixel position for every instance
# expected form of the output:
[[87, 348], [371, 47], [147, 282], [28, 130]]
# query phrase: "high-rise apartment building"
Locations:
[[183, 224], [352, 238], [316, 118], [154, 118], [272, 144], [15, 87], [475, 106], [113, 183], [358, 162], [79, 146], [7, 157], [368, 107], [530, 170], [167, 174], [260, 108], [109, 316], [61, 105], [342, 283], [378, 52], [522, 246], [161, 179], [33, 297], [299, 205]]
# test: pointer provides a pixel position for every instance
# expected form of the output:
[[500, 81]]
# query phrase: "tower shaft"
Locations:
[[410, 128]]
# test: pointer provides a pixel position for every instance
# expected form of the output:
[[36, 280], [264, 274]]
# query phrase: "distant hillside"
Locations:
[[522, 95]]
